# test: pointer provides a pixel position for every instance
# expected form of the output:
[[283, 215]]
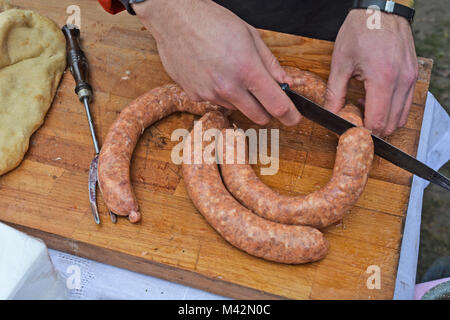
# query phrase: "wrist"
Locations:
[[154, 8], [144, 9], [358, 18], [161, 16], [150, 12], [402, 8]]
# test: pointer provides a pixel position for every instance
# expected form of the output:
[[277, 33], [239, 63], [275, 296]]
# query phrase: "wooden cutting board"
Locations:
[[47, 195]]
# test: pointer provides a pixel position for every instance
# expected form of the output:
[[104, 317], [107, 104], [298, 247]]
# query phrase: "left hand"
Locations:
[[385, 60]]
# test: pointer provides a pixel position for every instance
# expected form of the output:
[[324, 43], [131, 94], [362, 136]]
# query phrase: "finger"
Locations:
[[224, 103], [360, 103], [378, 105], [249, 106], [401, 102], [407, 108], [268, 92], [268, 59], [413, 75], [211, 97], [395, 112], [337, 86]]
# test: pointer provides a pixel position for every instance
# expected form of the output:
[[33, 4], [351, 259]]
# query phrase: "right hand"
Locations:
[[215, 56]]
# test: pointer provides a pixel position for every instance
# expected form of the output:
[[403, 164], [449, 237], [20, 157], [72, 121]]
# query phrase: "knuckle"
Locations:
[[206, 95], [389, 131], [279, 110], [414, 74], [224, 89], [273, 62], [194, 96], [247, 72], [403, 122], [261, 120], [409, 77], [404, 118], [211, 97], [333, 100], [243, 66], [228, 106], [377, 123], [330, 96]]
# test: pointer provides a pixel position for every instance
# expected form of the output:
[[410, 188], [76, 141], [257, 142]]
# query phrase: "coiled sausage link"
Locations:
[[238, 225], [115, 155], [322, 207]]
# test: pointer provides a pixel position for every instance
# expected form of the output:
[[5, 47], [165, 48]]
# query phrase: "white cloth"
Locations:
[[87, 279], [434, 150], [26, 271]]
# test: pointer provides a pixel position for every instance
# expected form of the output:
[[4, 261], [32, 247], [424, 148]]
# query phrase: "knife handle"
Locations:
[[77, 62], [284, 86]]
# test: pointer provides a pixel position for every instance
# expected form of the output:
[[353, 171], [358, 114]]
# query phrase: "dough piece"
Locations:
[[5, 5], [32, 61]]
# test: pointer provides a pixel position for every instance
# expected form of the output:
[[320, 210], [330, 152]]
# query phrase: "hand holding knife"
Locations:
[[382, 148]]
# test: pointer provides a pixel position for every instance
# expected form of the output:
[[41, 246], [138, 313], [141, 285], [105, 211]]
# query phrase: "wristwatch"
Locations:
[[386, 6], [127, 5]]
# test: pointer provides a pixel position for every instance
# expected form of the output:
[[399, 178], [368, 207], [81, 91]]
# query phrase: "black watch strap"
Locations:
[[127, 5], [386, 6]]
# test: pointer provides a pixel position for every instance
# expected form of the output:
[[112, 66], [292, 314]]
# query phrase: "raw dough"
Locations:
[[5, 5], [32, 61]]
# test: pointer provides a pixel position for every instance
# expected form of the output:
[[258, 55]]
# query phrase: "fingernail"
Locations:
[[263, 121], [360, 102], [292, 118]]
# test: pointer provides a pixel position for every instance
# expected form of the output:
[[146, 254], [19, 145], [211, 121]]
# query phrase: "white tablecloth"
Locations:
[[102, 281], [434, 150]]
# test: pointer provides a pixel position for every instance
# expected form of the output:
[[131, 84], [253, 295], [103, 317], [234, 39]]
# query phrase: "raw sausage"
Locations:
[[115, 155], [238, 225], [322, 207], [314, 87]]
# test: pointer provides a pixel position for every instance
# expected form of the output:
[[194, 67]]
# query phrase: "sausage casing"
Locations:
[[117, 150], [238, 225], [325, 206]]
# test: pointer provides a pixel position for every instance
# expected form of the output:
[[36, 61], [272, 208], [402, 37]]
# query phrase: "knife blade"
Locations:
[[385, 150]]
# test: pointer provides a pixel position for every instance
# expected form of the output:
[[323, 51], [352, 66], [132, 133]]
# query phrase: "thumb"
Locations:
[[269, 61], [336, 88]]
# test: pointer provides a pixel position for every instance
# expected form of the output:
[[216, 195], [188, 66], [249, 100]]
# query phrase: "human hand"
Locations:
[[214, 55], [385, 60]]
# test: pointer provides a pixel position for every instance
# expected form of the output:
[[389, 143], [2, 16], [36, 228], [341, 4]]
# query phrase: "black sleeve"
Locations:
[[319, 19], [127, 6]]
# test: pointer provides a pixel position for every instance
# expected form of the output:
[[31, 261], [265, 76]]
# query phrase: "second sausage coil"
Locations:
[[325, 206]]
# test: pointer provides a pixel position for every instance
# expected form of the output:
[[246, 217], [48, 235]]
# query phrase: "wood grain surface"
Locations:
[[47, 195]]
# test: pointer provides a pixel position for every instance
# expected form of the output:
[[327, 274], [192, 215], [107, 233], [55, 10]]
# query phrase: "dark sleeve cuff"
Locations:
[[127, 6]]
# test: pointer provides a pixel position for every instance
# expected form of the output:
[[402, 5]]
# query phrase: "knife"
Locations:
[[382, 148]]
